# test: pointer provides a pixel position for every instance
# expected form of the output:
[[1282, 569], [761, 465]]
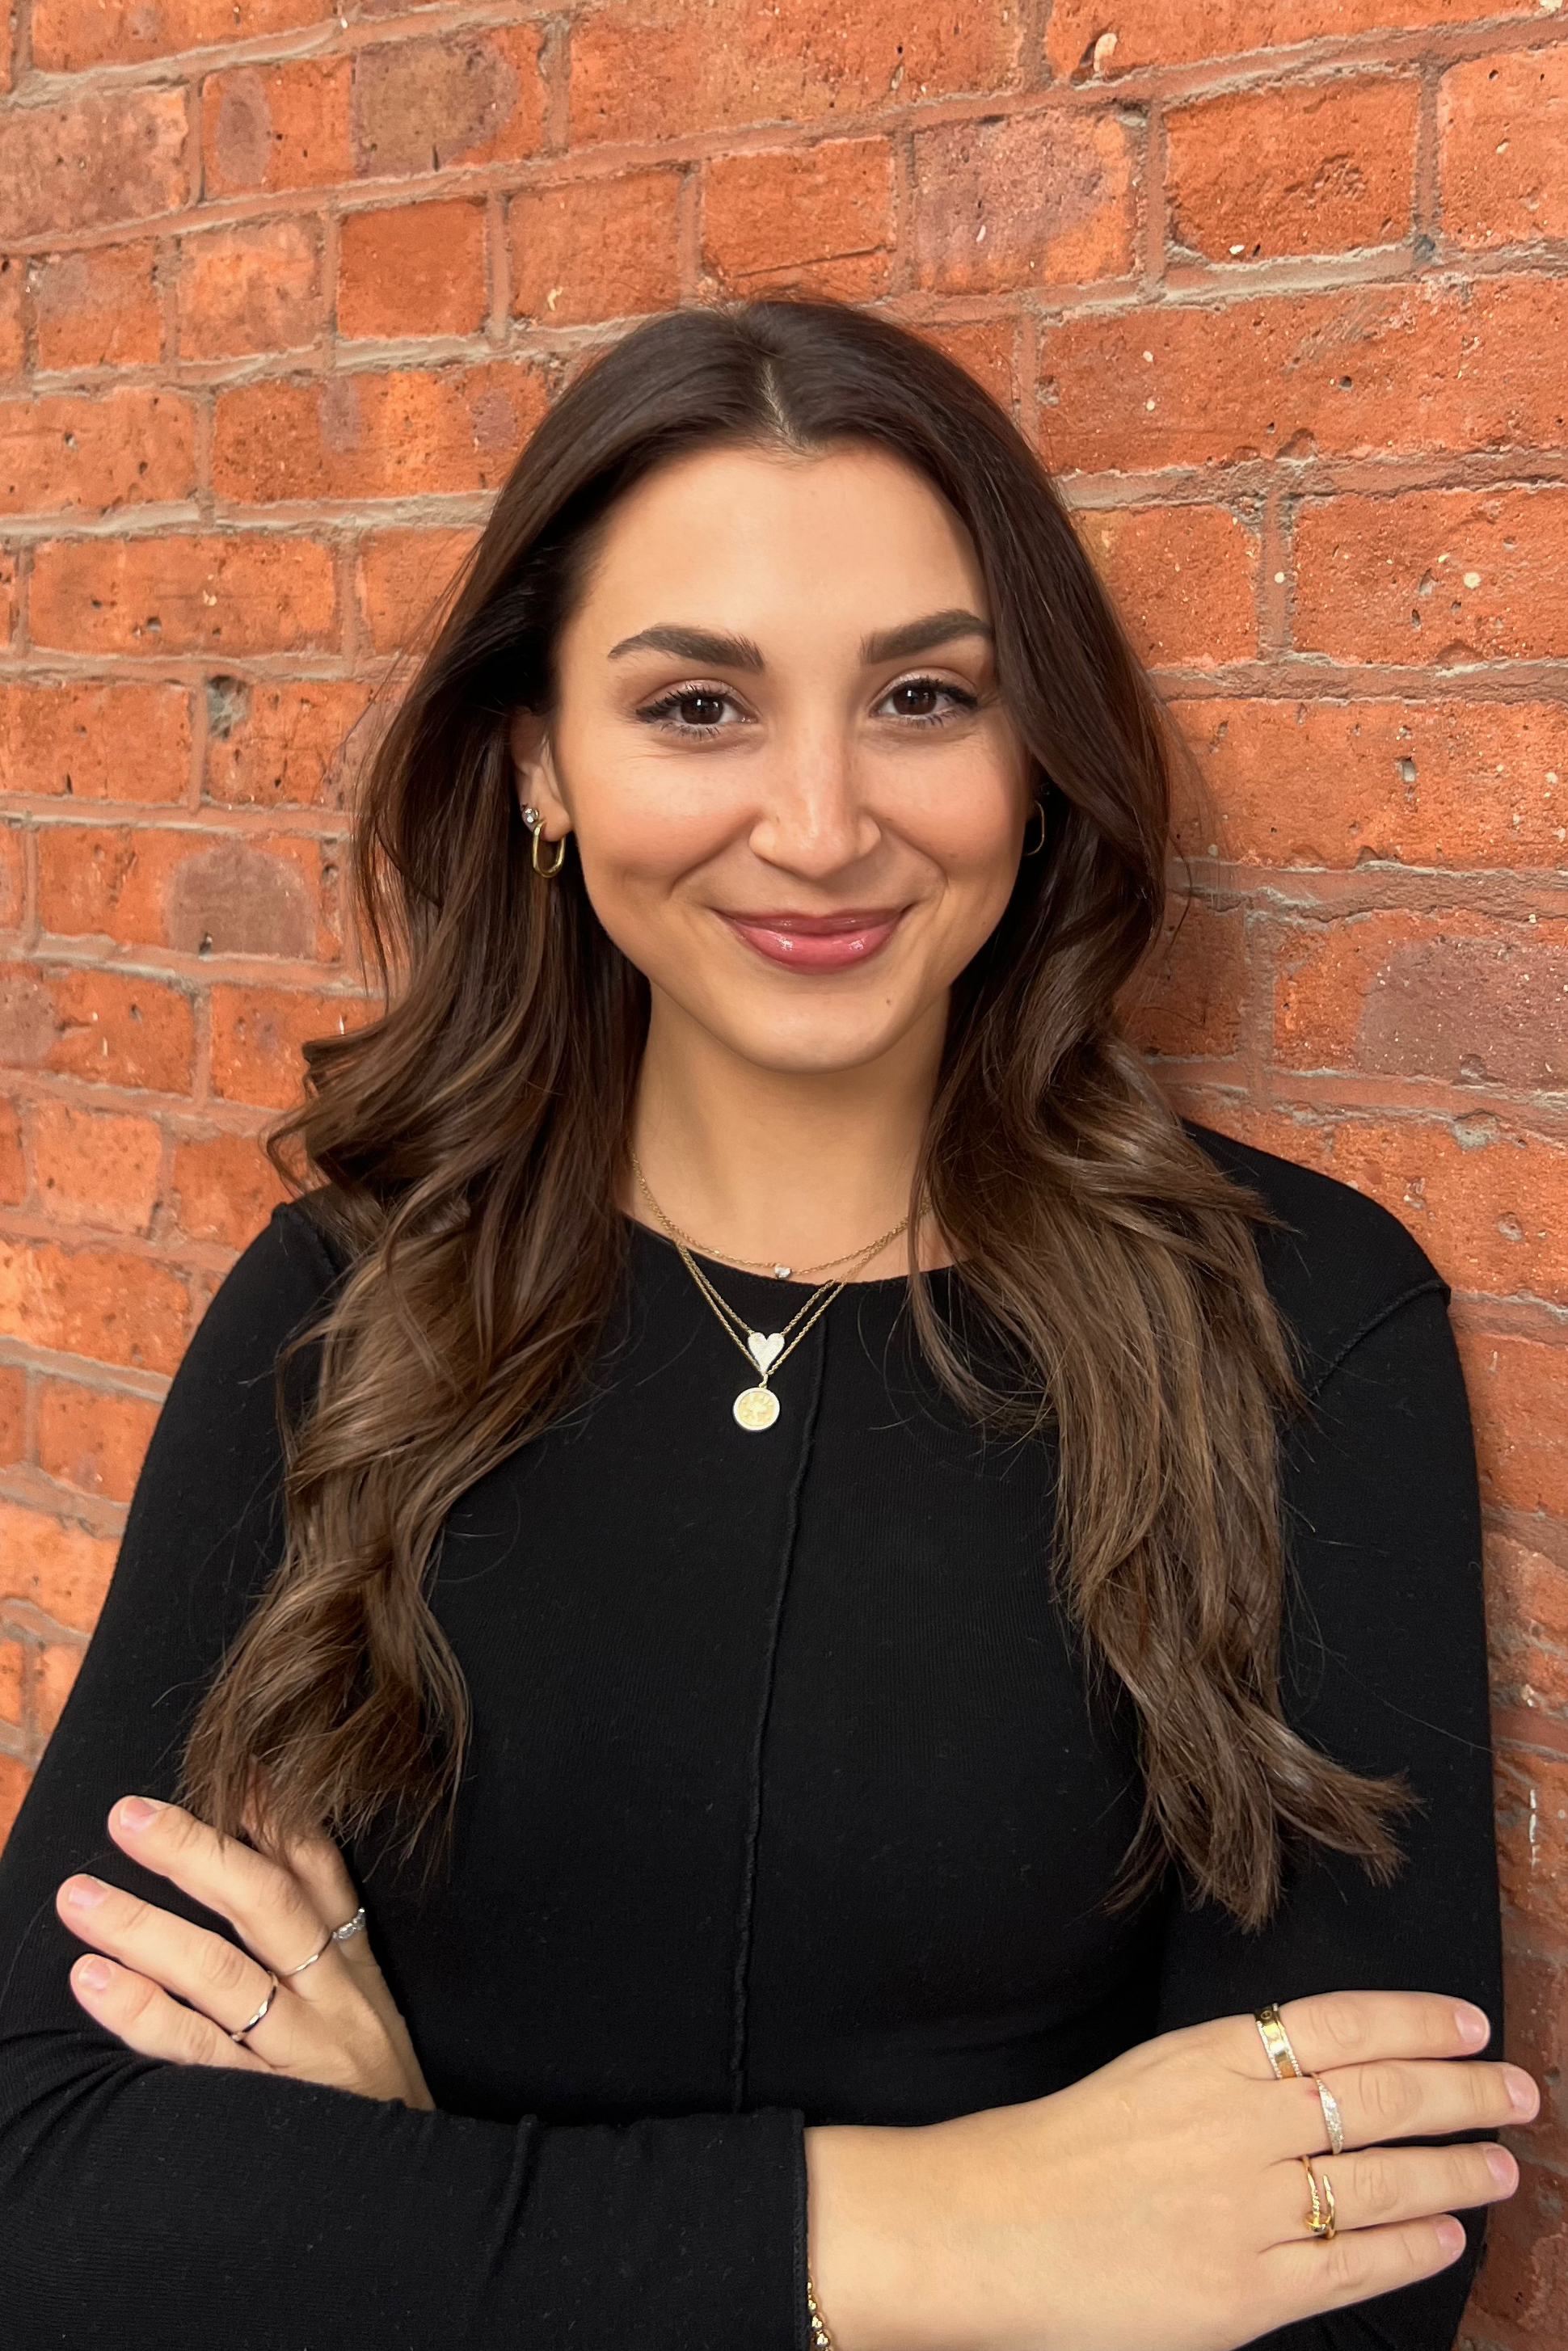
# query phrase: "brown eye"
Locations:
[[701, 709], [916, 700]]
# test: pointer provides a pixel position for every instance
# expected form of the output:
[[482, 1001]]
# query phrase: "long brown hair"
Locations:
[[467, 1146]]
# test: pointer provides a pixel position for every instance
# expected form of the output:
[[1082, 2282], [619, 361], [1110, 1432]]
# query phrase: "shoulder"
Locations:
[[1336, 1263], [276, 1287]]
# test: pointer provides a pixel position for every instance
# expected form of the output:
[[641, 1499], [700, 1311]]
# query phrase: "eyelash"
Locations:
[[663, 711]]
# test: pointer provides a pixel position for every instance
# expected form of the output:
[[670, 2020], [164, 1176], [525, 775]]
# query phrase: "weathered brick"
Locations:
[[1034, 199], [985, 350], [93, 1437], [1463, 997], [247, 593], [1502, 123], [94, 1168], [1532, 1839], [820, 217], [68, 36], [1455, 784], [13, 336], [1525, 2281], [7, 596], [121, 156], [1432, 366], [15, 1670], [643, 70], [1536, 2019], [285, 745], [375, 436], [55, 1669], [107, 1304], [16, 1779], [101, 1026], [1183, 577], [1433, 577], [597, 248], [71, 740], [275, 127], [1084, 37], [1518, 1391], [259, 1034], [13, 1414], [54, 1563], [13, 878], [255, 287], [60, 454], [197, 891], [1527, 1593], [404, 578], [412, 269], [225, 1187], [465, 97], [1189, 999], [98, 307], [1315, 167]]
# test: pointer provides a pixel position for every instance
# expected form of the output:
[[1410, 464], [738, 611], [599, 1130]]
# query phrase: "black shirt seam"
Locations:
[[1433, 1287]]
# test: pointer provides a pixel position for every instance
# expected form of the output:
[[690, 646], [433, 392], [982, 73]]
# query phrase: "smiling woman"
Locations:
[[602, 1859]]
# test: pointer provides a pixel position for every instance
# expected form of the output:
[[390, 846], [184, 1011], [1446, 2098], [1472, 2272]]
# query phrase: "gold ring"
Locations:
[[1282, 2060], [1320, 2220]]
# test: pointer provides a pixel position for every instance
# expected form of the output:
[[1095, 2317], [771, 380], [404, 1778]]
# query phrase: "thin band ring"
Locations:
[[1282, 2060], [1333, 2121], [241, 2030], [325, 1944], [354, 1926], [1319, 2220]]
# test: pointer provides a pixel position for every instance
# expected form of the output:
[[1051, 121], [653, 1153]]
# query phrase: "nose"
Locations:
[[814, 819]]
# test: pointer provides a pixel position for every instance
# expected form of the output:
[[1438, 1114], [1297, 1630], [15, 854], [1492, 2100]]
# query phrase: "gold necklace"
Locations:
[[760, 1265], [757, 1407]]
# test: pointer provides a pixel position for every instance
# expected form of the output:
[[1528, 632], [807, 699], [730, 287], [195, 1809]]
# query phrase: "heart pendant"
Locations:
[[764, 1352]]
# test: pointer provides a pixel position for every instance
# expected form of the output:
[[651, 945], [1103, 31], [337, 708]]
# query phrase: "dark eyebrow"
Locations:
[[716, 650], [919, 636], [705, 646]]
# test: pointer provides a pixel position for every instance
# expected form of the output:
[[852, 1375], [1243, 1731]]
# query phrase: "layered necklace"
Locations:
[[757, 1407]]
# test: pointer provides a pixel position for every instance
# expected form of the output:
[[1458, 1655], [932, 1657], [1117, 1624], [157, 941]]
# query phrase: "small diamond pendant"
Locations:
[[756, 1408], [782, 1272]]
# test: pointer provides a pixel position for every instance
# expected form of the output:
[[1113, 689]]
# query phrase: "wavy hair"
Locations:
[[467, 1146]]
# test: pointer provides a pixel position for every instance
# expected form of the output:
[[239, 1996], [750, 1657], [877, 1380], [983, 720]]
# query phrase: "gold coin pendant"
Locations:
[[757, 1408]]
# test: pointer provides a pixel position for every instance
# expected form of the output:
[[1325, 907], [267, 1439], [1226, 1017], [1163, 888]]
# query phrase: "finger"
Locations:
[[1353, 2028], [258, 1895], [1311, 2276], [1404, 2098], [142, 2015], [213, 1974], [1385, 2185], [323, 1875]]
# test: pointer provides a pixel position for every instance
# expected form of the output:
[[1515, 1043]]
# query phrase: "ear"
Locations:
[[533, 772]]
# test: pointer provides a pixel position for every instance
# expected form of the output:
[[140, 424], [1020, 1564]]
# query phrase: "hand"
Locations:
[[1159, 2204], [333, 2021]]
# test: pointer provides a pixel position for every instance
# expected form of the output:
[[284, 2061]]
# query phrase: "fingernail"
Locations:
[[1450, 2236], [1500, 2163], [1472, 2026], [84, 1893], [94, 1975], [1522, 2091], [139, 1812]]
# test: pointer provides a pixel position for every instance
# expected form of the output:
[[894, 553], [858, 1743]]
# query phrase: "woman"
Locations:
[[856, 1598]]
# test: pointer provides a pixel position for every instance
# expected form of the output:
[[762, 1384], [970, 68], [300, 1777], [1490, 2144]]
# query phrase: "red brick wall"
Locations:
[[1282, 293]]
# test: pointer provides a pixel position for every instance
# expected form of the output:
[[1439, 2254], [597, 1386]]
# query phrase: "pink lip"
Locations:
[[819, 942]]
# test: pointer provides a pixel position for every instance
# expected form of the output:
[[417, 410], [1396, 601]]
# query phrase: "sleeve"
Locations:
[[152, 2205], [1385, 1663]]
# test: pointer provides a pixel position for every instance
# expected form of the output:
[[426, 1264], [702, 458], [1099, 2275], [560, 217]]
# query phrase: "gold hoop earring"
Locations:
[[535, 825], [1039, 810]]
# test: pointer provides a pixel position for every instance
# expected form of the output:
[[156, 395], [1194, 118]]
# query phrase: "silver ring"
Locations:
[[311, 1962], [1333, 2121], [241, 2030], [353, 1925]]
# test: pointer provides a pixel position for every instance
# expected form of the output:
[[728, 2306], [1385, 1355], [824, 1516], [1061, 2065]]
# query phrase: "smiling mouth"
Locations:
[[819, 942]]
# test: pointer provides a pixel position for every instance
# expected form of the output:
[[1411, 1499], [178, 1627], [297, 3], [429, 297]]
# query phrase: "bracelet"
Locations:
[[821, 2338]]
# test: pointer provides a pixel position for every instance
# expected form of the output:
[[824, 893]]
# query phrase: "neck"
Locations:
[[773, 1166]]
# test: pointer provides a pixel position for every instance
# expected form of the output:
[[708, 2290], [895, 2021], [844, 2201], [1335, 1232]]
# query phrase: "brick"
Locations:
[[94, 1168], [93, 1439], [1428, 367], [405, 578], [1536, 2037], [55, 1564], [599, 249], [820, 217], [121, 156], [1502, 123], [13, 878], [59, 453], [98, 307], [1463, 997], [1433, 577], [1183, 577], [224, 1188], [255, 288], [12, 1169], [273, 127], [401, 434], [69, 35], [1524, 2282], [642, 70], [1518, 1393], [101, 1026], [13, 1414], [285, 745], [1453, 784], [179, 594], [16, 1779], [1035, 199], [14, 1678], [1085, 36], [12, 340], [1323, 167], [70, 741], [259, 1035], [1189, 999], [412, 269], [1527, 1600], [196, 891], [104, 1303], [1532, 1839], [55, 1669], [423, 106], [984, 350]]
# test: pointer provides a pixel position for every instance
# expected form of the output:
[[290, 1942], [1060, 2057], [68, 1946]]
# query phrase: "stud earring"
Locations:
[[535, 825]]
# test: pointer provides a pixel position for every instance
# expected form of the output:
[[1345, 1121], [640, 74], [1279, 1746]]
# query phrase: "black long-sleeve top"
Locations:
[[788, 1803]]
